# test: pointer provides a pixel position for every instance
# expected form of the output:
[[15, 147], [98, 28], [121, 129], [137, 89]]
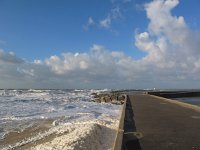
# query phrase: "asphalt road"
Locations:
[[156, 124]]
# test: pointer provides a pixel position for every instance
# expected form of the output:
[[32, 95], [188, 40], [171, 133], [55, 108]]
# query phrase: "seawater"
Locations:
[[19, 109], [190, 100]]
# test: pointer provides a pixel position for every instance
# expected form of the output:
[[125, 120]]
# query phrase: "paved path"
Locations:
[[164, 126]]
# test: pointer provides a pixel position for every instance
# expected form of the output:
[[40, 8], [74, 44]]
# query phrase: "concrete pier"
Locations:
[[175, 94], [160, 125]]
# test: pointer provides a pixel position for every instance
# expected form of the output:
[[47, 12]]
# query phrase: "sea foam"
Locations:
[[72, 113]]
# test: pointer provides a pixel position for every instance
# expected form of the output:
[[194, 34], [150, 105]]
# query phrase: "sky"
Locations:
[[115, 44]]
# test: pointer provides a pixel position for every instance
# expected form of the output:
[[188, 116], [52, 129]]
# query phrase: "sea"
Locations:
[[190, 100], [20, 109]]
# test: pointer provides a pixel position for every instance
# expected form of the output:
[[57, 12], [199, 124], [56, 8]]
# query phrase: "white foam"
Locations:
[[88, 135], [21, 108]]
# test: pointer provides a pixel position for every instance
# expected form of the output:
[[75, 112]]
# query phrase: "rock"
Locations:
[[121, 97], [95, 95], [114, 98], [97, 100], [107, 99], [103, 99]]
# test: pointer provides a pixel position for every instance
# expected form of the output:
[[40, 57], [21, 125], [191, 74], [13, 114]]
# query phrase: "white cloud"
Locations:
[[37, 61], [169, 42], [99, 67], [113, 15], [172, 60], [89, 23], [9, 58], [105, 23], [29, 72], [68, 62]]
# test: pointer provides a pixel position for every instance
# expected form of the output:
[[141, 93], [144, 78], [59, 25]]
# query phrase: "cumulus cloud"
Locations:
[[99, 68], [169, 42], [9, 63], [172, 60], [9, 58]]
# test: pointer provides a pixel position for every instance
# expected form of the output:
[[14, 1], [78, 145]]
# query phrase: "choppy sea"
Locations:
[[20, 108]]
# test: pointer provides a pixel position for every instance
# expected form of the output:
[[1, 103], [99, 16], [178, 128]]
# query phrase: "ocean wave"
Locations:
[[21, 107]]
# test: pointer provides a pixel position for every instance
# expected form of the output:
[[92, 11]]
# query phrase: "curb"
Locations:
[[120, 131], [186, 105]]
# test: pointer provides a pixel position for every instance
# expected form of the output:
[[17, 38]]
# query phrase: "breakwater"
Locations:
[[175, 94]]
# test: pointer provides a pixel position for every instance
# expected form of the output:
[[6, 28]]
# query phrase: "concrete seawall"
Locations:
[[161, 125], [120, 132], [176, 94]]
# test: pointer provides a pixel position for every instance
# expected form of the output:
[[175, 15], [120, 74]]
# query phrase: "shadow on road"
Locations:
[[130, 138]]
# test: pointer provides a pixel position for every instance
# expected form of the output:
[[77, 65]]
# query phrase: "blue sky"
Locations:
[[36, 30]]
